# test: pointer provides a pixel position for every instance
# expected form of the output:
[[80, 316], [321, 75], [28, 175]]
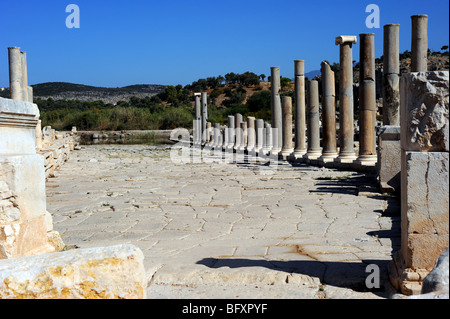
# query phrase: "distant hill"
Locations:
[[71, 91], [310, 75]]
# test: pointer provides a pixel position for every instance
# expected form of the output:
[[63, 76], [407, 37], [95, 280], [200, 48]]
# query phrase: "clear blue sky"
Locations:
[[179, 41]]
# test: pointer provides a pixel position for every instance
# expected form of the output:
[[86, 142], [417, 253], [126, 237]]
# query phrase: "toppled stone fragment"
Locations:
[[113, 272]]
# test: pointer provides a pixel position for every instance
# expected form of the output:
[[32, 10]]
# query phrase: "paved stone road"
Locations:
[[216, 230]]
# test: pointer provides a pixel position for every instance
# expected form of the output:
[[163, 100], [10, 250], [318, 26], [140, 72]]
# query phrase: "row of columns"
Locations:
[[277, 136]]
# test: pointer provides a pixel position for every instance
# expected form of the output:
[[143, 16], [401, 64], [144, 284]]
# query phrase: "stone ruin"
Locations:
[[33, 263], [409, 152], [410, 158]]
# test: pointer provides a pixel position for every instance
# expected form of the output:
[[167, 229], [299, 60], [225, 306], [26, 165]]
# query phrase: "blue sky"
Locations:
[[179, 41]]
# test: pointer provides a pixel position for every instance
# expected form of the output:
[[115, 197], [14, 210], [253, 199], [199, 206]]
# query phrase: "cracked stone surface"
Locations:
[[216, 230]]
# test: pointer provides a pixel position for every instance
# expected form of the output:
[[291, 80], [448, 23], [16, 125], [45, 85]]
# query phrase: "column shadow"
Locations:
[[349, 275]]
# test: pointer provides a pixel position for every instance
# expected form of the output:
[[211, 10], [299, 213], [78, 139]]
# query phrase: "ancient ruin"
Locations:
[[241, 219]]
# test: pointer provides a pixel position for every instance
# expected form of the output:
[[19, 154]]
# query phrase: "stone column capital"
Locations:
[[342, 39]]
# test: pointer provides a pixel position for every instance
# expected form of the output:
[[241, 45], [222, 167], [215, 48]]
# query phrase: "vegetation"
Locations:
[[171, 108]]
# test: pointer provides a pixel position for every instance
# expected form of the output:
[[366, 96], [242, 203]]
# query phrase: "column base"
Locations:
[[312, 156], [366, 160], [285, 154], [327, 159], [406, 280]]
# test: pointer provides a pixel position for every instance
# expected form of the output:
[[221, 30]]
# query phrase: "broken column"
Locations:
[[346, 130], [367, 102], [419, 43], [314, 151], [268, 138], [388, 162], [300, 109], [287, 148], [424, 115], [238, 131], [15, 73], [216, 137], [231, 133], [197, 134], [204, 103], [251, 134], [329, 151], [259, 136], [276, 110], [243, 132]]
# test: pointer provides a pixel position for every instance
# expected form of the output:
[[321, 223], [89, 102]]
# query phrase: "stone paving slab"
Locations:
[[216, 230]]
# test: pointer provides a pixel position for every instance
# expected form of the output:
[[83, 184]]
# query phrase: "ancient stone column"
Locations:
[[197, 120], [276, 109], [231, 133], [15, 73], [225, 136], [243, 144], [329, 151], [424, 177], [268, 138], [389, 162], [287, 147], [300, 109], [391, 71], [259, 135], [367, 101], [23, 61], [251, 134], [419, 43], [314, 151], [209, 133], [346, 130], [204, 102], [238, 132], [216, 136]]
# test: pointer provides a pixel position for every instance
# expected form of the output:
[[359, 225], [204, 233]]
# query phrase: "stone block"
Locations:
[[424, 111], [113, 272], [425, 210], [389, 158]]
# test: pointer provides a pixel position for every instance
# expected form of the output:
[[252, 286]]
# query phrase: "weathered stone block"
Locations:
[[22, 176], [93, 273], [389, 158], [424, 111], [425, 210]]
